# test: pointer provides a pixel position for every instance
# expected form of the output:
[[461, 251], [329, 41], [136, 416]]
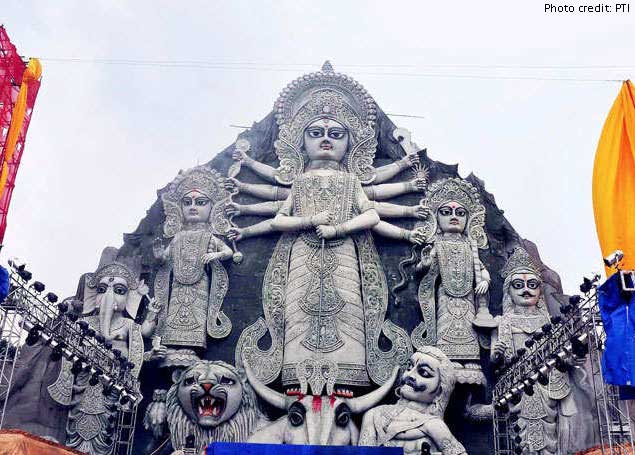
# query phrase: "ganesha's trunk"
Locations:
[[105, 314]]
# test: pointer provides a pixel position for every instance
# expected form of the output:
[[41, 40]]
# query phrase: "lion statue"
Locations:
[[211, 401]]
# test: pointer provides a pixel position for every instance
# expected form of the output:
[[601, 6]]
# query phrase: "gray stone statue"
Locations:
[[453, 293], [544, 418], [191, 285], [417, 418], [324, 293], [111, 300]]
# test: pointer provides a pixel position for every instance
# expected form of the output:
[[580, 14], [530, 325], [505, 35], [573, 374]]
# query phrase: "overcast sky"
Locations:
[[105, 137]]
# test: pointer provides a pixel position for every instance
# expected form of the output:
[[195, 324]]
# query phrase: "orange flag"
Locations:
[[614, 179]]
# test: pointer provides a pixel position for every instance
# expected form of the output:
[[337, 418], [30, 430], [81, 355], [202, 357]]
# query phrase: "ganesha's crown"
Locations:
[[520, 261]]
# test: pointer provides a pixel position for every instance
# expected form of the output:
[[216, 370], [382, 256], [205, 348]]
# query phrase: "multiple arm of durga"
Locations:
[[276, 195]]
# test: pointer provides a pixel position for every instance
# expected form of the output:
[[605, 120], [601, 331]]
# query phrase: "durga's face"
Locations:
[[524, 289], [196, 207], [326, 139]]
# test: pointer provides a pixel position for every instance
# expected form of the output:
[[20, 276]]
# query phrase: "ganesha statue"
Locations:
[[191, 284], [545, 415], [416, 420], [111, 298]]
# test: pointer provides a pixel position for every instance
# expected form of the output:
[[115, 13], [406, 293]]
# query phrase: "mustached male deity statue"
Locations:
[[192, 283], [544, 417], [324, 293]]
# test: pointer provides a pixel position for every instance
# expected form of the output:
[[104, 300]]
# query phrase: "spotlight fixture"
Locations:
[[38, 286], [575, 300], [62, 307], [17, 264], [614, 259], [555, 320], [56, 353], [25, 275], [51, 297]]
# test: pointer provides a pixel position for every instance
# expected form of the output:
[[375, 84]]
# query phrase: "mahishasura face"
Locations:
[[524, 289], [210, 394], [421, 381], [112, 290], [452, 217], [326, 139], [196, 207]]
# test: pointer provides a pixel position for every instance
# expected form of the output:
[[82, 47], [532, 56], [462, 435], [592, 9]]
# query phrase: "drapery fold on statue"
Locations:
[[614, 179]]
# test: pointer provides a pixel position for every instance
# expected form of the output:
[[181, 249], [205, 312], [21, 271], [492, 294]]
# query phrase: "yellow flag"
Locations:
[[614, 179]]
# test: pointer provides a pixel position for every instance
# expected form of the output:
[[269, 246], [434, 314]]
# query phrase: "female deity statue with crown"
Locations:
[[452, 293], [192, 283], [324, 292]]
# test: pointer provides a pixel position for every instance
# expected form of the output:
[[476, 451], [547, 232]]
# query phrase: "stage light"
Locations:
[[546, 329], [51, 297], [565, 309], [613, 259], [77, 367], [116, 353], [586, 286], [106, 390], [529, 342], [83, 326], [73, 317], [124, 399], [561, 365], [25, 275], [90, 332], [516, 396], [529, 389], [99, 338], [543, 379], [33, 336], [108, 344], [556, 320], [17, 264], [425, 448], [62, 307], [518, 439], [521, 352], [537, 336], [56, 354], [575, 300], [38, 286], [94, 379]]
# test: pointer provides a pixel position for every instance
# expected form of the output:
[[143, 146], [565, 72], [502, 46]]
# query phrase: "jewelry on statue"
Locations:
[[405, 234], [402, 164]]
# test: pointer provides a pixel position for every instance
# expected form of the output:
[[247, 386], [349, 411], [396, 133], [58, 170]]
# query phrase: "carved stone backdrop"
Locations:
[[243, 300]]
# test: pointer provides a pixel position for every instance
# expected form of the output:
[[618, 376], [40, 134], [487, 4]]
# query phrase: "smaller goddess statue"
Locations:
[[453, 291], [191, 285]]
